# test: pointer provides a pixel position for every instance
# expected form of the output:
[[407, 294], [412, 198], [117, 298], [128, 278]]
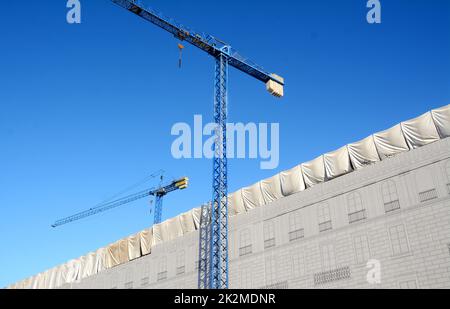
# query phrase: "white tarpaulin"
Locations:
[[88, 265], [314, 172], [271, 189], [196, 215], [252, 197], [61, 275], [173, 228], [337, 163], [157, 234], [134, 247], [441, 117], [40, 281], [420, 131], [363, 153], [113, 255], [73, 271], [390, 142], [236, 203], [146, 237], [292, 181], [187, 222], [51, 278], [100, 260], [123, 251]]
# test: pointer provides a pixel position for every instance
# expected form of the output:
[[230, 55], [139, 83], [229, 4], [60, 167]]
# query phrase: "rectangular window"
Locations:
[[362, 251], [325, 226], [162, 276], [399, 240], [324, 218], [357, 216], [246, 243], [295, 235], [391, 206], [245, 251], [145, 281], [298, 264], [269, 235], [328, 257], [428, 195], [271, 272], [408, 285], [181, 270]]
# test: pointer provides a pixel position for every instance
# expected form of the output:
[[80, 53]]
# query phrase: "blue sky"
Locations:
[[86, 110]]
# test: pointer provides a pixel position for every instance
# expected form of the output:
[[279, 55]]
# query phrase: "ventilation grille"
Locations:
[[392, 206], [357, 216], [428, 196], [332, 276]]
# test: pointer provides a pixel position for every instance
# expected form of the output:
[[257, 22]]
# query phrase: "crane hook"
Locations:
[[180, 62]]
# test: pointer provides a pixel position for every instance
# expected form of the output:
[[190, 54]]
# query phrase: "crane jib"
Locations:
[[207, 43]]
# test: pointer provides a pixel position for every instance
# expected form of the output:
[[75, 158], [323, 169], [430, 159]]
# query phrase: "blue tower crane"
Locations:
[[213, 251], [158, 193]]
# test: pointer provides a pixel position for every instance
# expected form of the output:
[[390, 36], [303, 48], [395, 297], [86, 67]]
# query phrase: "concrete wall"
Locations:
[[325, 236]]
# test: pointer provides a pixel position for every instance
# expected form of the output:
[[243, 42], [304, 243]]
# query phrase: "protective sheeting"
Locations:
[[146, 237], [420, 131], [292, 181], [88, 265], [337, 163], [157, 235], [51, 278], [271, 189], [236, 204], [441, 119], [252, 197], [196, 215], [363, 153], [314, 172], [187, 222], [390, 142], [73, 271], [113, 255], [100, 260], [61, 275], [134, 247], [173, 228]]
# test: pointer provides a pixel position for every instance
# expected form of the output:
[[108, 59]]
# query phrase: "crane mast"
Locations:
[[213, 246]]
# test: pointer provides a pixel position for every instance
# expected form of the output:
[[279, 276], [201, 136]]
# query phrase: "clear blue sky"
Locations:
[[86, 110]]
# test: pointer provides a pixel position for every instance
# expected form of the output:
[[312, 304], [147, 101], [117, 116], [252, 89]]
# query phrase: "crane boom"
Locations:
[[205, 42], [157, 192]]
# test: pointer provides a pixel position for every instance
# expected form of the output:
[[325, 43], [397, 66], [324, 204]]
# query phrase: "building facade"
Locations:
[[384, 226]]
